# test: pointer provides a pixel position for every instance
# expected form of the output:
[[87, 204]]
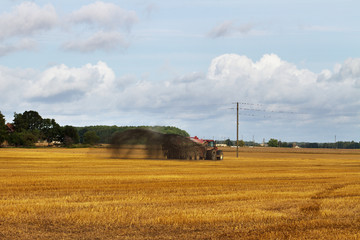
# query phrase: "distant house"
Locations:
[[10, 128], [221, 145]]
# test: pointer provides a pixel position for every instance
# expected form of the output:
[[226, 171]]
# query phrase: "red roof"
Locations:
[[10, 127]]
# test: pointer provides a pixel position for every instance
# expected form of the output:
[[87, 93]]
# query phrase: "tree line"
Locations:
[[105, 133], [277, 143], [340, 144], [29, 128]]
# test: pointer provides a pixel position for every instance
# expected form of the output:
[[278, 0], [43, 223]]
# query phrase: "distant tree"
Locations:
[[50, 130], [41, 129], [15, 139], [24, 138], [2, 128], [312, 145], [29, 120], [285, 144], [228, 142], [273, 142], [347, 145], [2, 121], [241, 143], [90, 137], [69, 135], [28, 139], [105, 132]]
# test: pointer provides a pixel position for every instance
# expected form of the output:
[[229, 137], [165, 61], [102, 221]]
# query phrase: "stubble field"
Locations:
[[264, 194]]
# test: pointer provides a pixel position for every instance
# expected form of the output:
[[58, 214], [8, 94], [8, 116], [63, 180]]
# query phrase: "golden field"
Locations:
[[264, 194]]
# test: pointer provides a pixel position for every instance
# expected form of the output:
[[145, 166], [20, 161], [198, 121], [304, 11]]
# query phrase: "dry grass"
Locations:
[[84, 194]]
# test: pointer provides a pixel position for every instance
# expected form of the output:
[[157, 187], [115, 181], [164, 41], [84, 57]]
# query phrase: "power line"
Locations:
[[253, 115]]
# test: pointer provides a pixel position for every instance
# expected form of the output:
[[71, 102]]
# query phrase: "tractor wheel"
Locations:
[[220, 155], [211, 155], [208, 155]]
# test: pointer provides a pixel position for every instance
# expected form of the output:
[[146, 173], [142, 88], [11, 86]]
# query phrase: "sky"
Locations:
[[293, 66]]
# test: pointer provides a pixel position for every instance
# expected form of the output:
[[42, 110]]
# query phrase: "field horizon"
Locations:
[[266, 193]]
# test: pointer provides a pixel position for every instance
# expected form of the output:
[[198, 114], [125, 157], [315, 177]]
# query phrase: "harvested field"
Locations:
[[264, 194]]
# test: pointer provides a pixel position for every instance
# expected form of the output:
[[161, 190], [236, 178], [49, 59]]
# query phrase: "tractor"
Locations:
[[210, 151]]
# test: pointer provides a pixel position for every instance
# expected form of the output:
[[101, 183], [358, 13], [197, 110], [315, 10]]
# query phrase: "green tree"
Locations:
[[241, 143], [29, 120], [90, 137], [2, 128], [32, 122], [285, 144], [273, 142], [228, 142], [105, 132], [69, 135], [50, 130], [24, 138]]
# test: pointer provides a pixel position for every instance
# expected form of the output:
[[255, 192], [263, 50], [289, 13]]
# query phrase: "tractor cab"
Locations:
[[211, 144]]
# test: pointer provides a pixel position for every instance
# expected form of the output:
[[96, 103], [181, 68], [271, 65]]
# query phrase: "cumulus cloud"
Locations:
[[108, 27], [349, 72], [268, 80], [316, 99], [104, 15], [27, 19], [23, 22], [271, 81], [62, 83], [110, 22], [14, 83], [106, 41]]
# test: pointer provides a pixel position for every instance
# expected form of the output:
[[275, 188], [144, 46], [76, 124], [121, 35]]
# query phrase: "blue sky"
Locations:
[[293, 65]]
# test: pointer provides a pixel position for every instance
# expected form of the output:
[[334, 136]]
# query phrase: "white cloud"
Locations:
[[14, 84], [24, 44], [277, 84], [106, 41], [27, 19], [62, 83], [269, 80], [109, 27], [349, 72], [105, 15], [318, 100]]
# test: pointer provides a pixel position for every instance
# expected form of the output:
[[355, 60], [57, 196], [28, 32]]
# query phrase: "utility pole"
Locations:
[[237, 130], [335, 142]]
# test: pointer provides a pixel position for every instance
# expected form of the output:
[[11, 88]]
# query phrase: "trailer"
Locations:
[[172, 146]]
